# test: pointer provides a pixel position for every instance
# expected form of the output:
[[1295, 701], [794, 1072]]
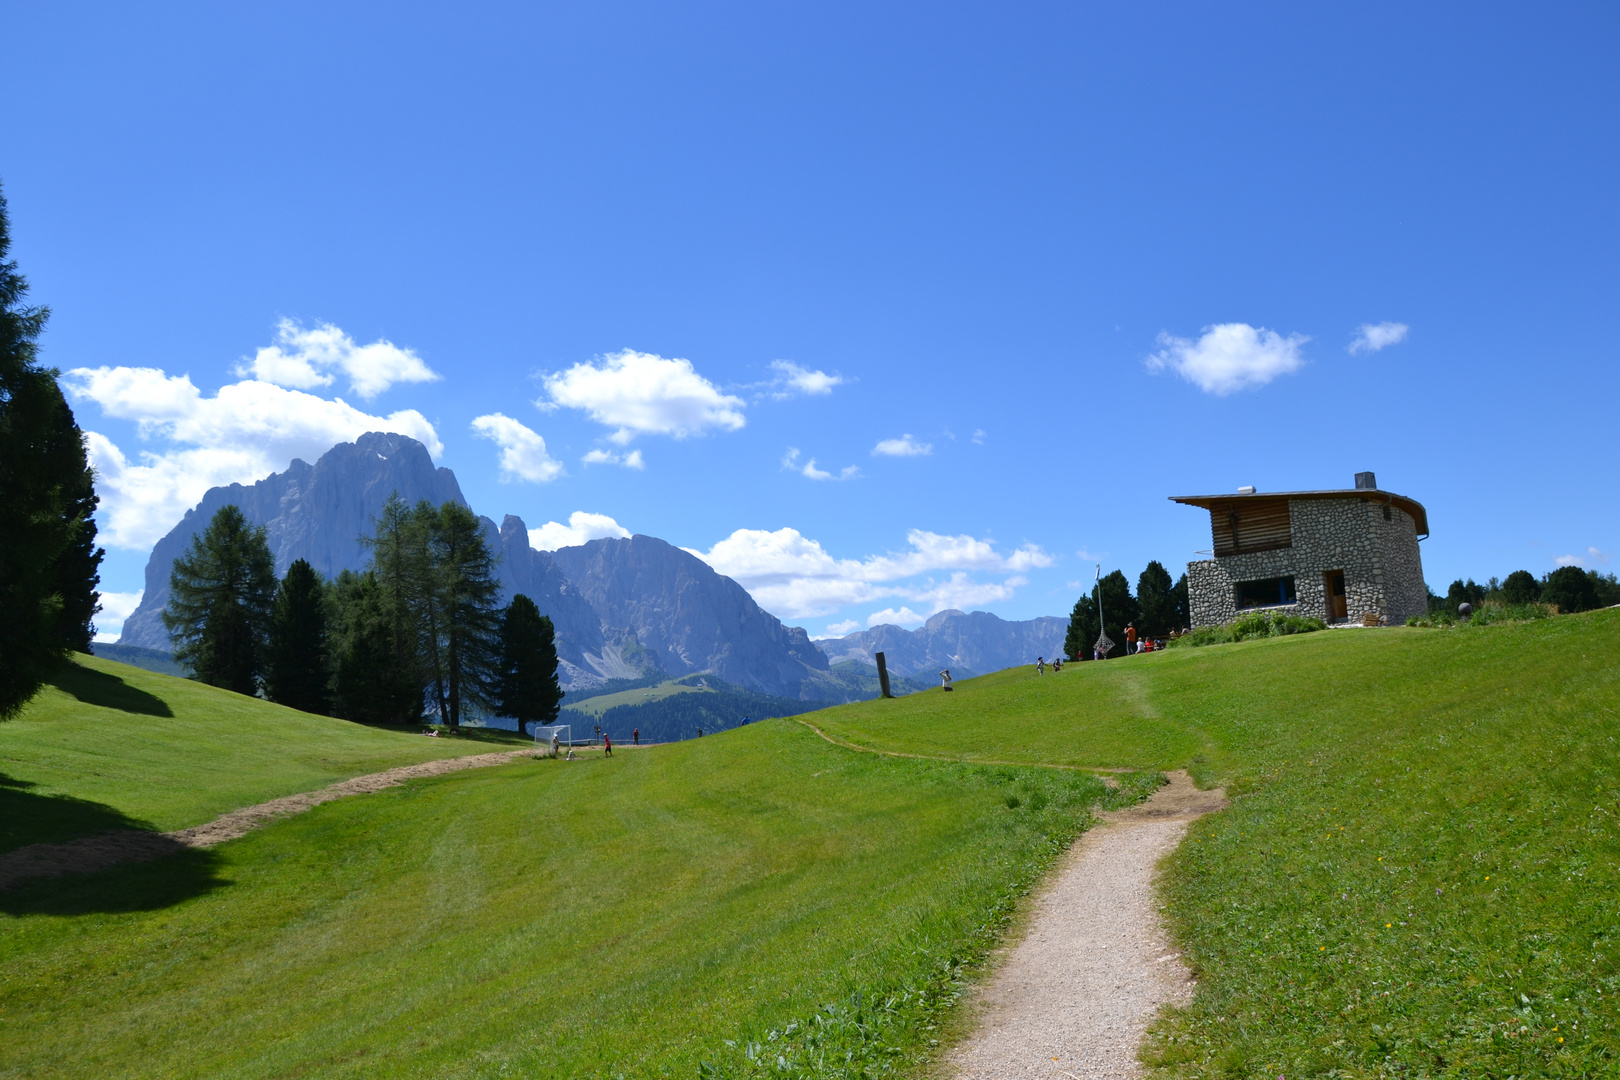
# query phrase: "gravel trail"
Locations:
[[1073, 998], [112, 848]]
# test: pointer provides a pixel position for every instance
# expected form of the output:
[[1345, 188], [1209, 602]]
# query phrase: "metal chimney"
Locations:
[[1366, 481]]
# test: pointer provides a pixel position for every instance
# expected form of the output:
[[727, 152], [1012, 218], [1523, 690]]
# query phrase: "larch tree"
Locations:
[[526, 683], [220, 596], [298, 663], [1156, 600]]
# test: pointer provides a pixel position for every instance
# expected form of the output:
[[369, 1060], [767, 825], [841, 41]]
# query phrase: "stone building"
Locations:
[[1340, 556]]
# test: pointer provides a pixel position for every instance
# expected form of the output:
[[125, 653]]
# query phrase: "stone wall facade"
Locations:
[[1383, 570]]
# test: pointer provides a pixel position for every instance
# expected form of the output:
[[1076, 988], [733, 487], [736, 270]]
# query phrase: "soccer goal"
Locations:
[[550, 739]]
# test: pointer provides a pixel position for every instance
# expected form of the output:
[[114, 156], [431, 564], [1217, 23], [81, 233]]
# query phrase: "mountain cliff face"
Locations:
[[966, 643], [316, 512], [687, 617], [622, 608]]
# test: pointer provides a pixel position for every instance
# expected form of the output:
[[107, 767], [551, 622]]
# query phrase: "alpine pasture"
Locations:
[[1415, 877]]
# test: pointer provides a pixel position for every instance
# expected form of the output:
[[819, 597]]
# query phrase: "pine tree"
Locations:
[[465, 619], [47, 540], [526, 684], [297, 669], [1571, 589], [220, 596], [1077, 643], [1183, 604], [1118, 608], [1156, 599], [373, 683]]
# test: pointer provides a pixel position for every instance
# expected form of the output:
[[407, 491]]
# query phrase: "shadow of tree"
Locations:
[[107, 691], [142, 886], [27, 817], [168, 872]]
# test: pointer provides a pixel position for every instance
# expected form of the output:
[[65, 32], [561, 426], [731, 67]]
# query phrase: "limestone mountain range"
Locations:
[[623, 608]]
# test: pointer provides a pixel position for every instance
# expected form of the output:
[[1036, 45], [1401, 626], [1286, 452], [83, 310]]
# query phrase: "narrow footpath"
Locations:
[[1074, 996], [129, 845]]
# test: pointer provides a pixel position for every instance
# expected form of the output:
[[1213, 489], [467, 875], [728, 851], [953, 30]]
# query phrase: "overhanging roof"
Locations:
[[1419, 515]]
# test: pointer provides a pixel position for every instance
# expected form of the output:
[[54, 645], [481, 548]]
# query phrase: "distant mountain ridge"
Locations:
[[623, 608], [969, 643]]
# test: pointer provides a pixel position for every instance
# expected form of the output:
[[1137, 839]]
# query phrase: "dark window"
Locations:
[[1267, 593]]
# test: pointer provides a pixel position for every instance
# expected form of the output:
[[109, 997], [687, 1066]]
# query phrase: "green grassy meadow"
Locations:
[[1419, 876], [596, 706], [1416, 878], [109, 746], [652, 914]]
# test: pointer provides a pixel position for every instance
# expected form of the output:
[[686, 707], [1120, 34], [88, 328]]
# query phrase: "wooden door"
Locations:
[[1336, 607]]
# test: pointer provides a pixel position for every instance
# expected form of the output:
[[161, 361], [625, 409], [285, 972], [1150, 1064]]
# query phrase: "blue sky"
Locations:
[[1087, 257]]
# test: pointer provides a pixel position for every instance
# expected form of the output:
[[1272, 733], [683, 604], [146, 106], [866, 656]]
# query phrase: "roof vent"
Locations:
[[1246, 489], [1366, 481]]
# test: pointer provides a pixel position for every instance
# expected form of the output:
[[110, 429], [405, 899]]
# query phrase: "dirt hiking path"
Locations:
[[1073, 998], [112, 848]]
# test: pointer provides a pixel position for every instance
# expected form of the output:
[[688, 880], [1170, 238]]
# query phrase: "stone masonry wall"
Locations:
[[1383, 571]]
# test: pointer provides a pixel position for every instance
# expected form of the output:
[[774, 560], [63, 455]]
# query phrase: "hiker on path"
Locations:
[[1040, 665], [607, 745], [945, 679], [1130, 638]]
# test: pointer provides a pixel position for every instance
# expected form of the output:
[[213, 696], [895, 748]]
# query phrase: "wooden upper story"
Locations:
[[1256, 521]]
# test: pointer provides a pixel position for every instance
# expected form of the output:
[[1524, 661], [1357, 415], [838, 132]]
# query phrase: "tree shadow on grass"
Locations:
[[107, 691], [75, 830], [27, 817], [143, 886]]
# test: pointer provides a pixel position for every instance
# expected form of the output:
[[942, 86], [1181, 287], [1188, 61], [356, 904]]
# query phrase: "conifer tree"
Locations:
[[220, 595], [373, 683], [1156, 599], [297, 668], [47, 539], [461, 579], [526, 680]]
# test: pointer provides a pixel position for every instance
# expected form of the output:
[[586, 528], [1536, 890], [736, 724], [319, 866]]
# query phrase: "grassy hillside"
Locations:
[[634, 916], [596, 706], [109, 746], [1419, 879]]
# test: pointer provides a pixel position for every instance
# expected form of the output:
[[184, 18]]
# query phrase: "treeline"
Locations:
[[1569, 588], [1156, 608], [49, 561], [418, 633]]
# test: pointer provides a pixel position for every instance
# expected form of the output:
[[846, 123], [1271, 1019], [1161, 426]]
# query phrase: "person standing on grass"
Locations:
[[945, 679], [607, 745], [553, 744], [1040, 665], [635, 737], [1130, 638]]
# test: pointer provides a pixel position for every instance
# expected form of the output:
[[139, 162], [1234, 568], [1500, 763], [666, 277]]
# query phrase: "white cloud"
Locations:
[[794, 577], [581, 528], [792, 379], [115, 608], [905, 446], [1230, 356], [632, 460], [301, 359], [978, 436], [790, 461], [890, 617], [1371, 337], [1593, 555], [243, 433], [839, 629], [523, 452], [643, 394]]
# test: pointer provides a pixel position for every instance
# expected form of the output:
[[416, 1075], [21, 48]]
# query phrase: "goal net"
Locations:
[[551, 739]]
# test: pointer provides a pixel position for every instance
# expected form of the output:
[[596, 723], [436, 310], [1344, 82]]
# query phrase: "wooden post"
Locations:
[[883, 675]]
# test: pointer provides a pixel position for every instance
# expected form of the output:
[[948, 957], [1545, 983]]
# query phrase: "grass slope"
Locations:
[[719, 903], [1419, 876], [110, 746], [596, 706]]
